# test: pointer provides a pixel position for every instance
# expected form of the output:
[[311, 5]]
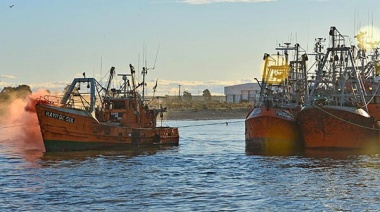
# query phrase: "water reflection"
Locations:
[[83, 155], [338, 154], [13, 148], [16, 149], [274, 152], [208, 171]]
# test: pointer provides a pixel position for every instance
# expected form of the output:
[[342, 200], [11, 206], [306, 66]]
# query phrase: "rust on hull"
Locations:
[[343, 93], [338, 128], [90, 134], [374, 110]]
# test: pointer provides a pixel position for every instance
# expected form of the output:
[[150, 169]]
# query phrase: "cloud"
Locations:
[[171, 88], [54, 87], [164, 87], [7, 76], [222, 1], [51, 86]]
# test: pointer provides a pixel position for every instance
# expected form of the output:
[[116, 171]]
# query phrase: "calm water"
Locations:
[[208, 171]]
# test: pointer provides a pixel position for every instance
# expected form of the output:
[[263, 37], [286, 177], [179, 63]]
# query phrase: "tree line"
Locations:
[[187, 97]]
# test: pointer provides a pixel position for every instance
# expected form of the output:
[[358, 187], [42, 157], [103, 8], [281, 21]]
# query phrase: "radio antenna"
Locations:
[[155, 60]]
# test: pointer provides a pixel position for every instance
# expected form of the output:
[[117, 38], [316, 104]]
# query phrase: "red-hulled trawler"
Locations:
[[336, 115], [271, 126], [102, 118]]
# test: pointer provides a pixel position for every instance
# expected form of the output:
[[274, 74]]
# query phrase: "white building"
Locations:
[[248, 92]]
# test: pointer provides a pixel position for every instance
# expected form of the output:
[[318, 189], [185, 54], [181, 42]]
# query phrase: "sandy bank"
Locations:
[[205, 114]]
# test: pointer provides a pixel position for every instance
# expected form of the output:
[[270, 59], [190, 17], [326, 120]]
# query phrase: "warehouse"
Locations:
[[248, 92]]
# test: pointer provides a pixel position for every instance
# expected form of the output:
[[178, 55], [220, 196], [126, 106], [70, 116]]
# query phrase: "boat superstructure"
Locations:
[[367, 55]]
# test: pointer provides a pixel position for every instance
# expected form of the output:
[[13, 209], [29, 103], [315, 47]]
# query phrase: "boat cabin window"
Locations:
[[115, 105], [119, 105]]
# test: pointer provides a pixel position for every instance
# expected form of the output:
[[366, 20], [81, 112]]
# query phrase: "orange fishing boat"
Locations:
[[336, 115], [271, 126], [272, 130], [102, 118]]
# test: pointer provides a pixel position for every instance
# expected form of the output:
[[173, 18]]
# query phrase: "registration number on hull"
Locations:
[[283, 114], [60, 117]]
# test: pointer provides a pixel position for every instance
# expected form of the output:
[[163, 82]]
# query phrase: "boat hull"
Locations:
[[338, 128], [374, 110], [65, 129], [271, 130]]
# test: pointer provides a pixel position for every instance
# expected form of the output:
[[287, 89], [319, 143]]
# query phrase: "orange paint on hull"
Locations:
[[374, 110], [334, 127], [71, 125], [272, 130]]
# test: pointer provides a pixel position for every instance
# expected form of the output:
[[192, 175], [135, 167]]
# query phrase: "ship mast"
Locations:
[[134, 93], [144, 72], [338, 81], [133, 80], [112, 72]]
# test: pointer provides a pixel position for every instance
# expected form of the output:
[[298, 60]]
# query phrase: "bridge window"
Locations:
[[119, 105]]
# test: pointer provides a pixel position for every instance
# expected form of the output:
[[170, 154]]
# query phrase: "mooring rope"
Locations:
[[374, 94], [163, 124], [219, 123], [358, 125]]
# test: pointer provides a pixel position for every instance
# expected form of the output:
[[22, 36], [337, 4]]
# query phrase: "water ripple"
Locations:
[[208, 171]]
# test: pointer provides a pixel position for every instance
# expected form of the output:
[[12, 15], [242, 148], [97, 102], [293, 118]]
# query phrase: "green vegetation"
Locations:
[[208, 105], [206, 110], [187, 97], [11, 93], [206, 95]]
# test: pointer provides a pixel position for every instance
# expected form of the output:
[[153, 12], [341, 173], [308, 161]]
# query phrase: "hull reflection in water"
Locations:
[[84, 155], [209, 171], [335, 154]]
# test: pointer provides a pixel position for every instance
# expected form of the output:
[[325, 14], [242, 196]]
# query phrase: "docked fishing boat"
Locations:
[[336, 114], [271, 126], [101, 117], [368, 55]]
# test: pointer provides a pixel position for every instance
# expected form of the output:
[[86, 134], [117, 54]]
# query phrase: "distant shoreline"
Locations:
[[205, 114]]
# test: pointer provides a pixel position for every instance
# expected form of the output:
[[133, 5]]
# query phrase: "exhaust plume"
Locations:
[[18, 119]]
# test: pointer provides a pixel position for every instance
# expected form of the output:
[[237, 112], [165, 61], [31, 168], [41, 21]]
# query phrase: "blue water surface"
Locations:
[[209, 171]]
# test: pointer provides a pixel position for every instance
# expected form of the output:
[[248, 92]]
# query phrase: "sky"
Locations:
[[190, 45]]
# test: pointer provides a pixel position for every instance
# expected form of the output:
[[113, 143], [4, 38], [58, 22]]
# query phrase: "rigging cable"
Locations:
[[219, 123], [185, 126], [358, 125], [374, 94]]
